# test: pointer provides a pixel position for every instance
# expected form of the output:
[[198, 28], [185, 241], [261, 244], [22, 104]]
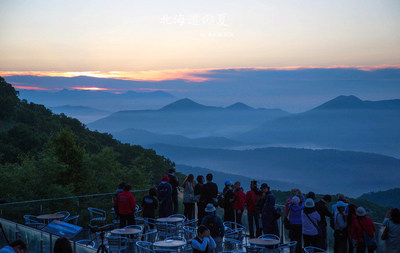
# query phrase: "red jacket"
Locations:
[[126, 203], [239, 200], [356, 231], [251, 199]]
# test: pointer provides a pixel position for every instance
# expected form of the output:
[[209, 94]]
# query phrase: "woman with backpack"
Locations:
[[310, 219], [362, 228]]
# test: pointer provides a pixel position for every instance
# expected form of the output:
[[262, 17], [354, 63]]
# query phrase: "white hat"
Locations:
[[309, 203], [341, 204], [361, 211], [295, 200], [210, 208]]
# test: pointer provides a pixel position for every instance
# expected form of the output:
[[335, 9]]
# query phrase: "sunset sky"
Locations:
[[155, 40]]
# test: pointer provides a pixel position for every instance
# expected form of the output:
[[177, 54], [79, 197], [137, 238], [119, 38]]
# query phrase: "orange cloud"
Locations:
[[189, 75], [28, 87], [89, 88]]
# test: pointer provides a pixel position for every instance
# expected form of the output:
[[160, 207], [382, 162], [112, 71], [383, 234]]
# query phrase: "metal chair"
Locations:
[[192, 223], [31, 221], [137, 210], [310, 249], [144, 246], [117, 243], [189, 233], [232, 244], [287, 247], [234, 230], [165, 230], [66, 215], [87, 243], [150, 236], [97, 215], [72, 219]]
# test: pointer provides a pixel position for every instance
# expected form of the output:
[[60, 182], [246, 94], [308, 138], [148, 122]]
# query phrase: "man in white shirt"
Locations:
[[203, 241]]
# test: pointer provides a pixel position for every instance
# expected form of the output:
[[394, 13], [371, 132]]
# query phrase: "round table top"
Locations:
[[126, 231], [263, 241], [170, 243], [170, 219], [50, 216]]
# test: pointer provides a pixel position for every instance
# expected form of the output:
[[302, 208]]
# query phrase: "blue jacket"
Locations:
[[164, 192], [295, 213]]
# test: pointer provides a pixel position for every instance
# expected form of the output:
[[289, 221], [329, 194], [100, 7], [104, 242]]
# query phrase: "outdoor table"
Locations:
[[50, 216], [170, 219], [268, 244], [170, 244], [126, 231]]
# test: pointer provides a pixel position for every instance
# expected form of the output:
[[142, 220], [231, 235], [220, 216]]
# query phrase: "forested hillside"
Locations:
[[48, 155], [390, 198]]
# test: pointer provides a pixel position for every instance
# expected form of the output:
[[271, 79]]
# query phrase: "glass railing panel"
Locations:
[[31, 236]]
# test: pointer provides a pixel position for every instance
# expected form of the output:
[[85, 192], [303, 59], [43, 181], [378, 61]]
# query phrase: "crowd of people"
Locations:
[[303, 216]]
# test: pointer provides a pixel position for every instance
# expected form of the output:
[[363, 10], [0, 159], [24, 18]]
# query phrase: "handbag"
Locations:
[[385, 234], [368, 240]]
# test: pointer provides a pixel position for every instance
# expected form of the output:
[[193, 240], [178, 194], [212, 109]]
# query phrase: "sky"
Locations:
[[227, 49]]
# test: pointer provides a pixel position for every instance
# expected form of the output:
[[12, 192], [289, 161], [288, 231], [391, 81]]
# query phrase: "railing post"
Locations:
[[41, 208]]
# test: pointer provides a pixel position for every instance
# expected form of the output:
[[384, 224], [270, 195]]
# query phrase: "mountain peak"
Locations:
[[185, 104], [342, 102], [239, 106]]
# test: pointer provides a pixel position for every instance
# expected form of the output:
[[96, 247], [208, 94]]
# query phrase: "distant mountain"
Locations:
[[389, 198], [186, 105], [188, 118], [326, 171], [143, 137], [104, 100], [83, 113], [353, 102], [345, 122], [240, 106]]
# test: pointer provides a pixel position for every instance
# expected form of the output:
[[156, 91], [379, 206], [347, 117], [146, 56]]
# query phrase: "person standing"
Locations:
[[324, 212], [149, 205], [270, 216], [173, 181], [340, 226], [310, 218], [197, 194], [209, 192], [215, 225], [188, 197], [294, 212], [361, 224], [239, 203], [126, 207], [392, 224], [164, 193], [62, 245], [229, 198], [265, 191], [252, 215]]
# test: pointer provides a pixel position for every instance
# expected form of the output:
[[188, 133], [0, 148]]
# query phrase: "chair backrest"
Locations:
[[234, 230], [311, 249], [150, 236], [73, 219], [192, 223], [65, 213], [231, 244], [31, 221], [87, 243], [144, 246], [96, 212], [270, 236], [189, 232]]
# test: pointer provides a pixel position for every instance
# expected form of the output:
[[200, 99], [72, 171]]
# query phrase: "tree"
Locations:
[[8, 99]]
